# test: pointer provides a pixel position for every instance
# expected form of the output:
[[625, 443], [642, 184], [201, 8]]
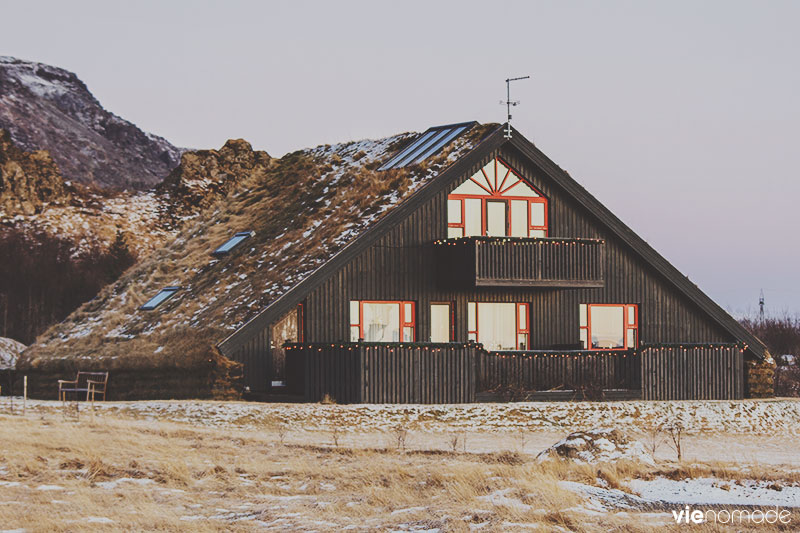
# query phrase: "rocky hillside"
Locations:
[[61, 242], [29, 181], [205, 175], [48, 108]]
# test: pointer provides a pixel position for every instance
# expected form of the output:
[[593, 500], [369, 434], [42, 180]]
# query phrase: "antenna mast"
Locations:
[[761, 306], [510, 103]]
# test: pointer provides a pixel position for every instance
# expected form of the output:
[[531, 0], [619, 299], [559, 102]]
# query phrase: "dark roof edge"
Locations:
[[639, 245], [284, 303]]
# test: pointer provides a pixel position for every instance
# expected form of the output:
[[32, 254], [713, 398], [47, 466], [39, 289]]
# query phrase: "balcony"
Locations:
[[521, 262]]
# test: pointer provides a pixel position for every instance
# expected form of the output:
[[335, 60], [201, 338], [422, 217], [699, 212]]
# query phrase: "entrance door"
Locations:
[[284, 330], [496, 223]]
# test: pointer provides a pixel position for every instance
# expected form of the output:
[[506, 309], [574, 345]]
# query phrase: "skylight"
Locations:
[[163, 295], [233, 242], [426, 145]]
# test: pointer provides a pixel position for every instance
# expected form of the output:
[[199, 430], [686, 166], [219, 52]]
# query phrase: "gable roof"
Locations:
[[491, 143]]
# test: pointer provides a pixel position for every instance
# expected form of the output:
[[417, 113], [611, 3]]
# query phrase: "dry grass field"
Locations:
[[120, 469]]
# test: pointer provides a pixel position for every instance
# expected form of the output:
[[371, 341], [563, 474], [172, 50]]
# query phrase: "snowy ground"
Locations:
[[740, 454], [744, 417]]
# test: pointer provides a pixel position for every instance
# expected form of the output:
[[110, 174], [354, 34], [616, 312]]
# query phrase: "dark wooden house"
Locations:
[[449, 266], [499, 277]]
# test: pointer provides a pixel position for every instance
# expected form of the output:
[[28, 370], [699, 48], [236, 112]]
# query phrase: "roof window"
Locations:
[[426, 144], [232, 243], [162, 296]]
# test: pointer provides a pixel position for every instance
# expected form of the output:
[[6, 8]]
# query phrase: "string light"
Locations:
[[518, 241], [505, 354]]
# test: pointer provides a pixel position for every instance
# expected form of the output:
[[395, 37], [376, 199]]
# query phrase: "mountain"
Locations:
[[61, 242], [48, 108]]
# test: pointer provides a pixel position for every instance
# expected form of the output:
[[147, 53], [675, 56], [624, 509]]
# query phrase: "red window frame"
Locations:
[[451, 316], [627, 325], [499, 195], [301, 337], [522, 330], [406, 322]]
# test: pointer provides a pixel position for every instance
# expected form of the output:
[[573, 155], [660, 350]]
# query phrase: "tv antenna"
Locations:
[[510, 102], [761, 306]]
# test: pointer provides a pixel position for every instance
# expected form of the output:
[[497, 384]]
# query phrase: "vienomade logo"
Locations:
[[687, 515]]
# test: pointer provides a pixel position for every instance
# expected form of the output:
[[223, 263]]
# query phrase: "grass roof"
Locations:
[[304, 208]]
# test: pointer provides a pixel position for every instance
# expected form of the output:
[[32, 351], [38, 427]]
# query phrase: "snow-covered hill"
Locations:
[[49, 108]]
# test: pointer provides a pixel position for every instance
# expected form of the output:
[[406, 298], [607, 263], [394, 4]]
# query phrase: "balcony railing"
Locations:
[[514, 261], [559, 370]]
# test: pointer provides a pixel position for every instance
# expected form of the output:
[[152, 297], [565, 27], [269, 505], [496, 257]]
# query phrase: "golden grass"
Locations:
[[206, 479]]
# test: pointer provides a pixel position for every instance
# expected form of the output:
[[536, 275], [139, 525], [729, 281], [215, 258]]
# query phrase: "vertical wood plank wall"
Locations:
[[256, 357], [692, 373], [387, 374]]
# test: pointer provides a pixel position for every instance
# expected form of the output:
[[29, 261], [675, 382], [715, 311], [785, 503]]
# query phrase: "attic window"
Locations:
[[496, 202], [426, 145], [162, 296], [232, 243]]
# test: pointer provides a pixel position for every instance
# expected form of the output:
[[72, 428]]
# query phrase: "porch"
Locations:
[[456, 373]]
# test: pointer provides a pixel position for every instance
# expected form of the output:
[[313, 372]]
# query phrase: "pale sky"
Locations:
[[681, 116]]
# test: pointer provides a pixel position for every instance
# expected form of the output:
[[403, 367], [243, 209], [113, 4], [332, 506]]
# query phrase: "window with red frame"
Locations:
[[496, 202], [499, 326], [382, 321], [609, 326]]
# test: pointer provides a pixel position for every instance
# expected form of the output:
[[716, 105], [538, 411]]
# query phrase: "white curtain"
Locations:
[[440, 323], [497, 327], [607, 324], [381, 322]]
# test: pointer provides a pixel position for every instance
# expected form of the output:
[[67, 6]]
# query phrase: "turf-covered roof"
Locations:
[[303, 209]]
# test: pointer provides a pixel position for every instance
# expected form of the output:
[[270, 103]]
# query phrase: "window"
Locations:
[[233, 242], [608, 326], [426, 144], [499, 326], [441, 322], [162, 296], [496, 202], [382, 321]]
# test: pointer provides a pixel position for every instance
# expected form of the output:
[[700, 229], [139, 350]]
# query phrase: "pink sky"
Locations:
[[681, 116]]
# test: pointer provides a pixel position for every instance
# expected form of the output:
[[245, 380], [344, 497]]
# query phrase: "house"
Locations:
[[447, 266]]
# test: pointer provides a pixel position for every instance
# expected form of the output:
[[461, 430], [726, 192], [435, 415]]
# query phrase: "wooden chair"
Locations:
[[93, 384]]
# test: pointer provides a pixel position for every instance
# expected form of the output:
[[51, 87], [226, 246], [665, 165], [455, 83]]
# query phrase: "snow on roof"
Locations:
[[304, 209], [9, 350]]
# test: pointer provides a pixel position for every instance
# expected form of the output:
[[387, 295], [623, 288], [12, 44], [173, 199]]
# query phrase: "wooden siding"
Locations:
[[255, 356], [572, 370], [375, 373], [517, 262], [693, 372]]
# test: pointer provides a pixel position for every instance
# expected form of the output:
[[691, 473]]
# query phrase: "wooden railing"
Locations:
[[586, 371], [383, 373], [510, 261]]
